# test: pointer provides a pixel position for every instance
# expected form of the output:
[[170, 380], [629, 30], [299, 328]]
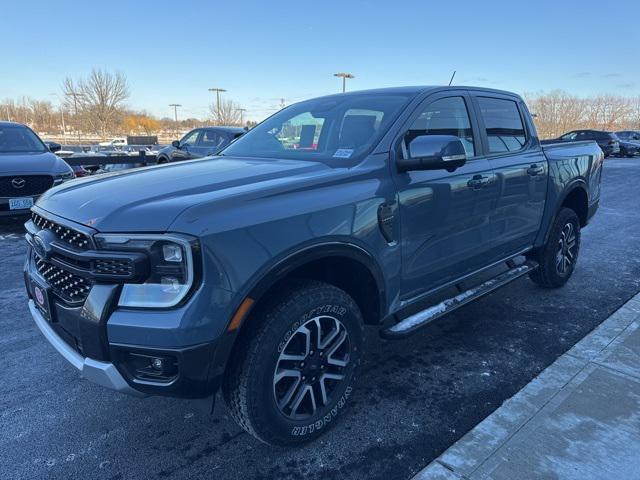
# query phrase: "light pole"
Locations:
[[242, 110], [175, 110], [175, 113], [64, 130], [344, 77], [75, 96], [218, 91]]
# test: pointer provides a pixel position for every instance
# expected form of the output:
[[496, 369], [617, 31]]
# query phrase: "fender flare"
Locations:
[[290, 261], [578, 183]]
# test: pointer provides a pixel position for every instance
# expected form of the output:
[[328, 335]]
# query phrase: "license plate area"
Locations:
[[42, 299], [21, 203]]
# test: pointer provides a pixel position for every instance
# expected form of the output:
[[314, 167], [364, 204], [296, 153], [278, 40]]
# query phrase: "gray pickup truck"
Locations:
[[256, 271]]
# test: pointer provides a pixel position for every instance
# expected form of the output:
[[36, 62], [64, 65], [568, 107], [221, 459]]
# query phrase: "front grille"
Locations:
[[71, 288], [72, 237], [113, 267], [22, 186]]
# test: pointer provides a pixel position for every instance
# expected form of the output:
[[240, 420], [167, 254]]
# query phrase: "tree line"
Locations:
[[97, 105], [558, 112]]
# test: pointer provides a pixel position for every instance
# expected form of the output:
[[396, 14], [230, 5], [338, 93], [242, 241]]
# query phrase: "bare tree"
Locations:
[[556, 112], [633, 122], [227, 114], [99, 99], [608, 112]]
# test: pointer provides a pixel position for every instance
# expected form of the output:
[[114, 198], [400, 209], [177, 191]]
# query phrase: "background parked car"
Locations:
[[629, 149], [28, 168], [629, 142], [608, 141], [629, 135], [114, 142], [200, 142]]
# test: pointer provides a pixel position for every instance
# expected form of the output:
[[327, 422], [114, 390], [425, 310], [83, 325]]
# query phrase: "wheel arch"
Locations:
[[345, 265], [573, 196], [577, 199]]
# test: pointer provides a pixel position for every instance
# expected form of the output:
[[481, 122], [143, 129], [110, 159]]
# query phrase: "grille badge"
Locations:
[[42, 244], [18, 182]]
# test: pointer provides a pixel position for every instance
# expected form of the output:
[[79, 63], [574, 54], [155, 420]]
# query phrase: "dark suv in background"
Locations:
[[28, 168], [607, 141], [629, 142], [199, 142]]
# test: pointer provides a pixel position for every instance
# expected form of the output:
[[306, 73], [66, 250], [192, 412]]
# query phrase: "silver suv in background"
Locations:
[[200, 142]]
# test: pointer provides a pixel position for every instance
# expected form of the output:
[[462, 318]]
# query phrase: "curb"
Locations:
[[466, 457]]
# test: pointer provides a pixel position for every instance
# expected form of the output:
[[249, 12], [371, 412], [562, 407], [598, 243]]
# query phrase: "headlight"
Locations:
[[171, 269], [63, 177]]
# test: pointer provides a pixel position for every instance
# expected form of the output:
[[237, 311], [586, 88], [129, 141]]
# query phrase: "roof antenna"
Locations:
[[454, 74]]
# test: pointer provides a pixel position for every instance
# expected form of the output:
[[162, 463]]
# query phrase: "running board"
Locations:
[[410, 324]]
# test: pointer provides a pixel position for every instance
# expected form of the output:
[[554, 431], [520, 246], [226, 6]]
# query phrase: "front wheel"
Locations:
[[292, 373], [557, 258]]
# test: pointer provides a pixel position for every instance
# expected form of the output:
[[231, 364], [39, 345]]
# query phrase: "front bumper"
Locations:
[[114, 346], [102, 373]]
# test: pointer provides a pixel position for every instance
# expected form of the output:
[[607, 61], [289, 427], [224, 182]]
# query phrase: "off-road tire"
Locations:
[[249, 386], [548, 274]]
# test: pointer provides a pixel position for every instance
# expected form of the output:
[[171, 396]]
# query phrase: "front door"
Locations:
[[187, 146], [208, 143], [444, 215], [521, 172]]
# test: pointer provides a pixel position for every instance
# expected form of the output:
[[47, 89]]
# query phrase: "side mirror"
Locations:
[[433, 152], [54, 147], [175, 144]]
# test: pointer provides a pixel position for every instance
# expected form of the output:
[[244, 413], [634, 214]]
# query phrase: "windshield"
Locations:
[[19, 139], [334, 128]]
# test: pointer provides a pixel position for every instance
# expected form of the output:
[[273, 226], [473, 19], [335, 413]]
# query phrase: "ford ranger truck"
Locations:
[[255, 272]]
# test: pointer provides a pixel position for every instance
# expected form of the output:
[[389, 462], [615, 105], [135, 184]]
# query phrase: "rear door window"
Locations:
[[503, 124]]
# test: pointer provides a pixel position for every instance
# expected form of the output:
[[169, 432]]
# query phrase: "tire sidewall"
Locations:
[[268, 417]]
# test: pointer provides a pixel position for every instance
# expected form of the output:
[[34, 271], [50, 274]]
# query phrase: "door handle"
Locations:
[[477, 182], [534, 170]]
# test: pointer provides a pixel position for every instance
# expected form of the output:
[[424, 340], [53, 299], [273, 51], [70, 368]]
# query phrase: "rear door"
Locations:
[[521, 171], [444, 215]]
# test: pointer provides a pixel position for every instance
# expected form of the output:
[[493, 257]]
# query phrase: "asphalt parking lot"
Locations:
[[414, 398]]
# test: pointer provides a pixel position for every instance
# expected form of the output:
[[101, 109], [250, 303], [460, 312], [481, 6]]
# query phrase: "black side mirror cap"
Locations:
[[433, 152], [175, 144], [54, 147]]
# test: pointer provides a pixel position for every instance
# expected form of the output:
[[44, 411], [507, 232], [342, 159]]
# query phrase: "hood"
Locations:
[[31, 163], [149, 199]]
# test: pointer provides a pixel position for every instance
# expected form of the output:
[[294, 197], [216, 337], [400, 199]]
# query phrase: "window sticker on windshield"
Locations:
[[343, 153]]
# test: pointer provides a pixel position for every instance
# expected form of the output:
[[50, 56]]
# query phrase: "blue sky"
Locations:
[[261, 51]]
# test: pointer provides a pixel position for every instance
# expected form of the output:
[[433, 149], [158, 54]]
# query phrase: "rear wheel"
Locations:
[[557, 258], [292, 374]]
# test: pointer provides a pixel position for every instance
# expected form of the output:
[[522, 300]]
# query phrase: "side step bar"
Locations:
[[410, 324]]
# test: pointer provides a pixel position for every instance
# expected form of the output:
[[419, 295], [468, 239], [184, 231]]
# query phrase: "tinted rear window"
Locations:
[[503, 124]]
